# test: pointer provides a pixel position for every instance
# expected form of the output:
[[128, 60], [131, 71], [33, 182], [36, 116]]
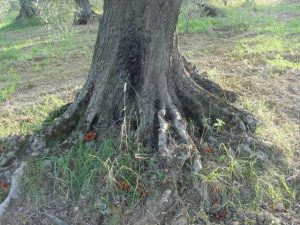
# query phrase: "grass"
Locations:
[[77, 171], [10, 24], [28, 120], [282, 134], [9, 89], [37, 52], [281, 63], [241, 182]]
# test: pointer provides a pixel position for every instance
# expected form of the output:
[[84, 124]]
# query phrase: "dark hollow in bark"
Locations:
[[138, 78], [27, 9]]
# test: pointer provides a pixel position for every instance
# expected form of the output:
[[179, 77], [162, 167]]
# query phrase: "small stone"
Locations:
[[197, 165], [166, 196], [268, 144], [8, 159], [245, 150], [21, 209], [76, 209], [213, 140], [47, 163], [261, 157], [180, 221], [279, 207]]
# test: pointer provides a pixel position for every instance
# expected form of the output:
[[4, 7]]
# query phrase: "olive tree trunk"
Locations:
[[27, 9], [140, 82]]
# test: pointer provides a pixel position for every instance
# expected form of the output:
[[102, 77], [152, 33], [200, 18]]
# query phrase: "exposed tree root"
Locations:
[[14, 189]]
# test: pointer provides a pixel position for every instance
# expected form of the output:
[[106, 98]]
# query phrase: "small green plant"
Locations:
[[219, 125]]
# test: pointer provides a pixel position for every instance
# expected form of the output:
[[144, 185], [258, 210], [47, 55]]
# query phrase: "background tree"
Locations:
[[84, 11], [192, 9], [28, 9]]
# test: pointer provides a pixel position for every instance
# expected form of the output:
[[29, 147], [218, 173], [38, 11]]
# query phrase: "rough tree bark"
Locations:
[[140, 82], [27, 9], [85, 11], [136, 58]]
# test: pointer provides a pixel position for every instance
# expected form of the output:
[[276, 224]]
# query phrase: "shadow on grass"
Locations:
[[21, 24]]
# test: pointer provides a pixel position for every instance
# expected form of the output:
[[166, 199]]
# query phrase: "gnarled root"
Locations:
[[14, 189]]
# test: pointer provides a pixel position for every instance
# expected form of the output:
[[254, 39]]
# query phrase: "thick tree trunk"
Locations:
[[27, 9], [140, 82], [137, 66], [85, 11]]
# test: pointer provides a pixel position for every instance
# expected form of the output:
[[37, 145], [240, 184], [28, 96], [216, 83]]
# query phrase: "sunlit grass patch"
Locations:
[[282, 133], [10, 54], [11, 24], [230, 19], [281, 63], [8, 89], [241, 183], [29, 119], [261, 44]]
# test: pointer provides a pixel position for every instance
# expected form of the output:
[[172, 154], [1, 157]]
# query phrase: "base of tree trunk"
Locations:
[[164, 130], [161, 126], [87, 19]]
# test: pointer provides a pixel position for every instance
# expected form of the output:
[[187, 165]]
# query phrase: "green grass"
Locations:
[[281, 134], [281, 63], [244, 182], [28, 120], [76, 172], [11, 24], [10, 82], [236, 18]]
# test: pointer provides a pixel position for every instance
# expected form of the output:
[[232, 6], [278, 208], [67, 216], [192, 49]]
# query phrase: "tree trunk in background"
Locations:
[[139, 82], [27, 9], [85, 11]]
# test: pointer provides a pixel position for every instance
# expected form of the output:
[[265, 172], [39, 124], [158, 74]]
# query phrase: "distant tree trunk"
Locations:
[[207, 9], [27, 9], [85, 11]]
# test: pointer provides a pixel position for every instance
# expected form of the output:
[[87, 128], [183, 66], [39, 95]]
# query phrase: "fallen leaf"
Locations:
[[2, 149], [215, 190], [209, 149], [90, 136], [124, 186], [5, 186], [221, 215]]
